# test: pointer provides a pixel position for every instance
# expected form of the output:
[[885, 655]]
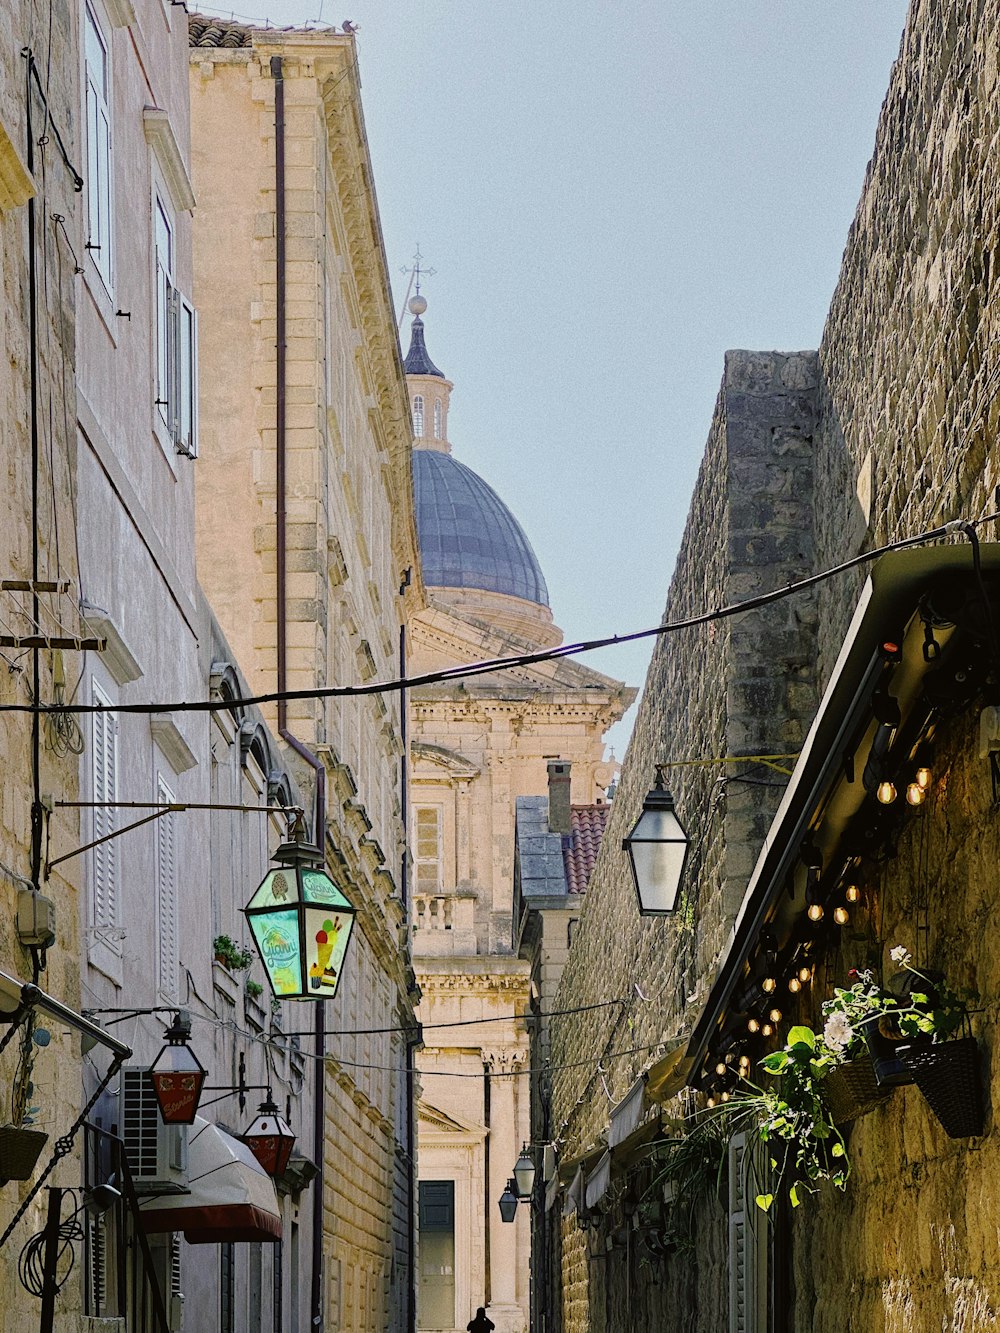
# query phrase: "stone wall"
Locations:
[[739, 686]]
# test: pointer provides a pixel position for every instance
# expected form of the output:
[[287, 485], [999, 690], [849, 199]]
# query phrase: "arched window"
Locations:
[[437, 419], [418, 414]]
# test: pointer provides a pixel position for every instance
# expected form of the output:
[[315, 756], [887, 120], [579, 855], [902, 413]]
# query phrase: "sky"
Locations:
[[611, 197]]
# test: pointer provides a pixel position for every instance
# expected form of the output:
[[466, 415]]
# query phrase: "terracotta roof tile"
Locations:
[[208, 30], [580, 847]]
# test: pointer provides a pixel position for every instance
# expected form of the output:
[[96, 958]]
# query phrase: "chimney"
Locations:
[[559, 816]]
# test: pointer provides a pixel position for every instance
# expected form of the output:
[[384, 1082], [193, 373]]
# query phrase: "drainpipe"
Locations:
[[302, 750]]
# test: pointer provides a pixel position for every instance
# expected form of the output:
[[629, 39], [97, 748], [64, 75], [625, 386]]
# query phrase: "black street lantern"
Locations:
[[508, 1201], [177, 1074], [270, 1138], [524, 1174], [657, 850], [301, 923]]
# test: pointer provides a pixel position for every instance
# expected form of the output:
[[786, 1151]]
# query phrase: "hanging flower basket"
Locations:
[[20, 1149], [851, 1090], [947, 1073], [884, 1049]]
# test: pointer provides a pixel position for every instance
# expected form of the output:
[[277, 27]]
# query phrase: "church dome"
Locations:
[[468, 537]]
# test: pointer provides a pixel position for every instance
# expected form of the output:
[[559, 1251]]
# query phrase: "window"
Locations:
[[427, 836], [436, 1290], [166, 897], [176, 344], [437, 419], [418, 414], [97, 80], [227, 1287]]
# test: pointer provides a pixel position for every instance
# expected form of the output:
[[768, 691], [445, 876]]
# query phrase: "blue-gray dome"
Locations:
[[468, 537], [418, 362]]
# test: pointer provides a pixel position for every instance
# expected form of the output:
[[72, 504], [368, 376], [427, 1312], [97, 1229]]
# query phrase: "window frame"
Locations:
[[438, 420], [418, 415], [436, 861], [99, 150], [104, 906], [175, 340]]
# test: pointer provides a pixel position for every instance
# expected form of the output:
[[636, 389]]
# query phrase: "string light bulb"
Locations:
[[767, 1030], [753, 1025], [841, 915], [725, 1096], [815, 912], [775, 1015], [720, 1068], [805, 974], [915, 794], [769, 985], [852, 893], [794, 985], [886, 792], [710, 1103], [922, 777]]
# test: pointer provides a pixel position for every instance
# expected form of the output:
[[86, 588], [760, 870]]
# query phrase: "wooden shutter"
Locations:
[[166, 896], [104, 862], [747, 1245]]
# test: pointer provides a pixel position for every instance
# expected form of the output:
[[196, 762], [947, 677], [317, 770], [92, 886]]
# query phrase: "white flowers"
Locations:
[[838, 1033], [900, 954]]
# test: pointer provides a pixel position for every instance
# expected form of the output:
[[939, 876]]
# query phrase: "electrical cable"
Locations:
[[31, 1261], [491, 665]]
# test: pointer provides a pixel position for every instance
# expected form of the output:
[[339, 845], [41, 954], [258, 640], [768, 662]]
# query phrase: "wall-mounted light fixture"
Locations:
[[524, 1173], [508, 1202], [657, 849], [177, 1074], [270, 1138]]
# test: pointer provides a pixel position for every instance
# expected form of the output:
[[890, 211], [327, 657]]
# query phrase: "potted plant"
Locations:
[[20, 1147], [254, 989], [230, 955], [862, 1016]]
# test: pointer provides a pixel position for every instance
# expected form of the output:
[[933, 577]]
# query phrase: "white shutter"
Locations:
[[166, 896], [747, 1245], [173, 410], [104, 862], [186, 438]]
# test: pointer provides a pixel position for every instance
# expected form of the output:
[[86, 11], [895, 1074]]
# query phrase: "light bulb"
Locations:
[[767, 1030], [769, 985], [725, 1096], [753, 1025], [720, 1068], [841, 915], [710, 1103], [923, 777], [775, 1015], [805, 975], [886, 793], [915, 794], [852, 893], [815, 912], [794, 985], [744, 1062]]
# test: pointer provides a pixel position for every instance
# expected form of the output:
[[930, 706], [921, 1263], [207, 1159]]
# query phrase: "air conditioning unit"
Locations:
[[156, 1153]]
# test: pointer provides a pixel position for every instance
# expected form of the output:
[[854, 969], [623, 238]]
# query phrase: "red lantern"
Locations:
[[177, 1074], [270, 1139]]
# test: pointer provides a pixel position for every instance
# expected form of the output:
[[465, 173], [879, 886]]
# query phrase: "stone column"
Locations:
[[504, 1310]]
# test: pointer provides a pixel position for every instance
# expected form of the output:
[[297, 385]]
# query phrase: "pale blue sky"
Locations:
[[612, 196]]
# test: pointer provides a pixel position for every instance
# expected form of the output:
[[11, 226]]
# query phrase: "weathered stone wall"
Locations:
[[740, 686]]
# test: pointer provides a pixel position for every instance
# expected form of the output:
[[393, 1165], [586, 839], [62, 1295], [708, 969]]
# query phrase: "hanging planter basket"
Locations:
[[20, 1149], [947, 1073], [851, 1090], [889, 1068]]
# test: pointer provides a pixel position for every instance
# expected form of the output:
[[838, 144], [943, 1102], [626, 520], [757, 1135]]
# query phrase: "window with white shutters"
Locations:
[[176, 344], [104, 896], [166, 897], [97, 77], [747, 1245]]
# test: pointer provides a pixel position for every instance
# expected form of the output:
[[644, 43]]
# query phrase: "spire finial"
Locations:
[[417, 304]]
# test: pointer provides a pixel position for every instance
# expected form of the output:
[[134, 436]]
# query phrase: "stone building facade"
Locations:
[[478, 747], [307, 550], [891, 433]]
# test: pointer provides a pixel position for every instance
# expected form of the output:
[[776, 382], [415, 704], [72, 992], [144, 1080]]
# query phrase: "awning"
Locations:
[[230, 1197], [598, 1182], [627, 1115], [827, 777], [574, 1195]]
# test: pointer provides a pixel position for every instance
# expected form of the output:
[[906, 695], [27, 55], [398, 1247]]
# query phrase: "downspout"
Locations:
[[302, 750]]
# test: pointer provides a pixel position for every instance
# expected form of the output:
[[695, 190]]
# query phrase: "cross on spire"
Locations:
[[417, 270]]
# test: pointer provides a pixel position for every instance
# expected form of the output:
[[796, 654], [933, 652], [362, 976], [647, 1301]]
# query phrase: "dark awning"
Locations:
[[826, 790], [230, 1195]]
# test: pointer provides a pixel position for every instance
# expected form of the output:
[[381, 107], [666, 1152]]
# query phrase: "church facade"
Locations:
[[477, 746]]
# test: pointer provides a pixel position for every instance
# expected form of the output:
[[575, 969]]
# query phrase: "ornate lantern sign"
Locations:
[[177, 1074], [301, 924], [270, 1139]]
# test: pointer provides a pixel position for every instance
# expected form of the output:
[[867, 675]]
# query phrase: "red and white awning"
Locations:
[[230, 1197]]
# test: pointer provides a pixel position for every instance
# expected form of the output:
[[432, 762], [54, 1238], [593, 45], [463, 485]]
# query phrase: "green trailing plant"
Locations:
[[790, 1130], [686, 1170], [230, 954], [254, 989], [917, 1004]]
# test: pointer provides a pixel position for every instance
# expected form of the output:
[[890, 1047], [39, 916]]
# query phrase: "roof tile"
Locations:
[[580, 847]]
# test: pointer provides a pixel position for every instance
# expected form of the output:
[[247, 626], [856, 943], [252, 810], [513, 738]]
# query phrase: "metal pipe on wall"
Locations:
[[300, 748]]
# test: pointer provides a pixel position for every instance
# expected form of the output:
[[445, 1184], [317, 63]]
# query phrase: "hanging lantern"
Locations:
[[657, 850], [270, 1139], [301, 924], [508, 1202], [524, 1174], [177, 1074]]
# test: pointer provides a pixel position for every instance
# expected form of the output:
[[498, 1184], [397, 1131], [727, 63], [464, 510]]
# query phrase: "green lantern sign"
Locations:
[[301, 924]]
